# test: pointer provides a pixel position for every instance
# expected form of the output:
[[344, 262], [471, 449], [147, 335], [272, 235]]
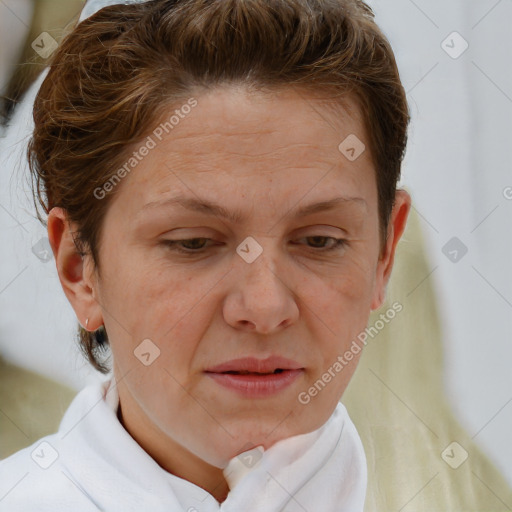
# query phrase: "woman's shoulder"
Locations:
[[91, 463], [32, 478]]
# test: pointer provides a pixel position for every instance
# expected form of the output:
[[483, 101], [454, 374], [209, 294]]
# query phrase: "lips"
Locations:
[[254, 366], [253, 378], [277, 370]]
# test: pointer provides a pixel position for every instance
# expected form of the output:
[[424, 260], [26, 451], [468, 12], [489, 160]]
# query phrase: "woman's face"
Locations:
[[252, 278]]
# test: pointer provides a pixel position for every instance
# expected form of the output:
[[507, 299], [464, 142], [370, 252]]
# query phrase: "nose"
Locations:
[[260, 299]]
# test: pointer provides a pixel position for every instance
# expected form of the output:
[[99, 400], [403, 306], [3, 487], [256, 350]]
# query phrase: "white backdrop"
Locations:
[[458, 170]]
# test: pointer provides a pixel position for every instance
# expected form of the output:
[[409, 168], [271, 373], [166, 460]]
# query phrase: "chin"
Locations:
[[268, 431]]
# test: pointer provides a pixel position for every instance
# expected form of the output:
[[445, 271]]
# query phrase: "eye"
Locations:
[[187, 246], [320, 240]]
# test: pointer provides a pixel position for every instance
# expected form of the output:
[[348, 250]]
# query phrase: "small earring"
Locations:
[[86, 322]]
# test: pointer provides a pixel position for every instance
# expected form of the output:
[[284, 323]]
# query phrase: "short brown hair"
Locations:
[[119, 71]]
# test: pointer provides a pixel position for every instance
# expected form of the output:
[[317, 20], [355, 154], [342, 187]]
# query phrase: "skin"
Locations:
[[264, 155]]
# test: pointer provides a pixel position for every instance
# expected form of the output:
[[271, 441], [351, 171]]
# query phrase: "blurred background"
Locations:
[[456, 66]]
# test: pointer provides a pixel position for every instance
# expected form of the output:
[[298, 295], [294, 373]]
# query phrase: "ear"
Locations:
[[76, 272], [396, 227]]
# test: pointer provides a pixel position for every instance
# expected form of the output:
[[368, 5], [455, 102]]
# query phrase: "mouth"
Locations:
[[245, 372], [256, 378], [253, 365]]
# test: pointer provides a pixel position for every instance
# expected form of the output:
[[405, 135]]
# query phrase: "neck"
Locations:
[[173, 457]]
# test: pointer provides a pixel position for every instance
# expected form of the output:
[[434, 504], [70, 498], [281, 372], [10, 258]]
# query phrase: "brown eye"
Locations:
[[319, 242], [188, 246]]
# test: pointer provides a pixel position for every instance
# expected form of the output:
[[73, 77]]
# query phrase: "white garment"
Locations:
[[92, 463]]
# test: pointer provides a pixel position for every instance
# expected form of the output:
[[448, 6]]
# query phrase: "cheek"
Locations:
[[172, 307], [345, 307], [349, 283], [142, 300], [338, 303]]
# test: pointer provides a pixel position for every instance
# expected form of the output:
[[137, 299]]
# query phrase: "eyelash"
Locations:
[[338, 244]]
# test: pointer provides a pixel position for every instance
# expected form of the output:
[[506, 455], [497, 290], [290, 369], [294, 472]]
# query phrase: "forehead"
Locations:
[[256, 117], [263, 145]]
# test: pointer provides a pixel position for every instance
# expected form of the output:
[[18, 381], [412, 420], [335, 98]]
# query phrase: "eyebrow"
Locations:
[[211, 208]]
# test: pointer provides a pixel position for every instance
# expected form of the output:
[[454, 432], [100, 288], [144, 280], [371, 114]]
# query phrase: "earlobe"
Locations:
[[396, 227], [71, 268]]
